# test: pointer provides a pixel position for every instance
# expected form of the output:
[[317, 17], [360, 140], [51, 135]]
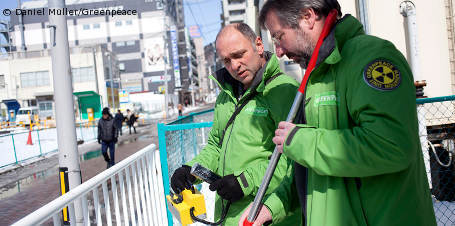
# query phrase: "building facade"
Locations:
[[142, 42], [33, 85]]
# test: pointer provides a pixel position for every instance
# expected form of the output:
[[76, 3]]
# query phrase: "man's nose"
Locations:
[[235, 64]]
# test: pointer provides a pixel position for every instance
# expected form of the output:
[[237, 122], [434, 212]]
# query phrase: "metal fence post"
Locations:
[[39, 143], [14, 147], [164, 167]]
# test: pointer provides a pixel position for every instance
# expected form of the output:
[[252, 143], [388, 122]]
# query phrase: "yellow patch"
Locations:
[[382, 75]]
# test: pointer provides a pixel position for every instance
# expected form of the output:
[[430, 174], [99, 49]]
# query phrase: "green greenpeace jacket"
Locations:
[[247, 143], [360, 144]]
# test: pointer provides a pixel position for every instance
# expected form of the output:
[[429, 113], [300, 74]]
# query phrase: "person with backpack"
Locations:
[[107, 136]]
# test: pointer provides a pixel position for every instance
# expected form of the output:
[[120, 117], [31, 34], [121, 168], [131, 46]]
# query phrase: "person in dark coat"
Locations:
[[107, 136], [130, 120], [118, 120]]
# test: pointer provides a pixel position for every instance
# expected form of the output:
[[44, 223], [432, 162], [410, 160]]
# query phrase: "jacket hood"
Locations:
[[345, 29]]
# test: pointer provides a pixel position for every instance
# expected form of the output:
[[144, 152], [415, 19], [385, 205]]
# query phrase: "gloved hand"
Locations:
[[228, 188], [115, 139], [182, 179], [99, 141]]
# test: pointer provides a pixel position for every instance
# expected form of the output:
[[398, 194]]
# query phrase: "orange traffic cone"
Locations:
[[29, 140]]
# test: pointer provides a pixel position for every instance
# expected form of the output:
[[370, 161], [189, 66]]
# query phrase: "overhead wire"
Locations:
[[205, 26]]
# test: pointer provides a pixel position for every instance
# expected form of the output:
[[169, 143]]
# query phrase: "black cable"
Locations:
[[223, 215]]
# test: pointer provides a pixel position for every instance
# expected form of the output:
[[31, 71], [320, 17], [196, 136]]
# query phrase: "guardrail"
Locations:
[[44, 141], [141, 197]]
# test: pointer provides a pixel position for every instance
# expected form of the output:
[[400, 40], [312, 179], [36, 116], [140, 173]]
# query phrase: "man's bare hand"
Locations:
[[264, 215], [281, 133]]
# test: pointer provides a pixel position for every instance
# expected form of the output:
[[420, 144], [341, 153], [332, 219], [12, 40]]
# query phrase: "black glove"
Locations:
[[99, 141], [115, 139], [182, 179], [228, 188]]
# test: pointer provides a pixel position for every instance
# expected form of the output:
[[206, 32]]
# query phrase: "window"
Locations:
[[130, 43], [233, 2], [83, 74], [159, 5], [129, 22], [96, 26], [121, 66], [2, 81], [118, 23], [45, 106], [30, 103], [237, 12], [34, 79], [119, 44], [86, 26]]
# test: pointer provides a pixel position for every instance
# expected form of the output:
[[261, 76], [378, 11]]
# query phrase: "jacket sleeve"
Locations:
[[99, 130], [381, 138], [283, 201], [209, 155], [279, 94]]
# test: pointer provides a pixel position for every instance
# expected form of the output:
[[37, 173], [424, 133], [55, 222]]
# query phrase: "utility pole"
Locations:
[[64, 105], [109, 58], [21, 26], [94, 69], [166, 58]]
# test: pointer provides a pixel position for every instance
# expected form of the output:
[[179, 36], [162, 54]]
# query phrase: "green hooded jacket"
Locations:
[[247, 144], [358, 139]]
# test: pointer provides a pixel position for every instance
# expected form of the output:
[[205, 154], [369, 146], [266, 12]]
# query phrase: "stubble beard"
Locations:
[[304, 40]]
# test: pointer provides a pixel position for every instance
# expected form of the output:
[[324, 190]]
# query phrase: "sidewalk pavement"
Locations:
[[44, 186], [26, 189]]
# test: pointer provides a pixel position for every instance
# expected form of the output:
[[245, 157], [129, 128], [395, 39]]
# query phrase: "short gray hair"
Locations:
[[241, 27], [289, 11]]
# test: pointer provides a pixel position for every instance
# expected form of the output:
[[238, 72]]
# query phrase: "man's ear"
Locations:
[[259, 45], [309, 18]]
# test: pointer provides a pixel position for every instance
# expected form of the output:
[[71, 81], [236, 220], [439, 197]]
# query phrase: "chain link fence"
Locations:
[[179, 142], [182, 139], [437, 133]]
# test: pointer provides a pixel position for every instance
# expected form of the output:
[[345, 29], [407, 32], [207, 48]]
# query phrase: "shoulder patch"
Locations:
[[382, 75]]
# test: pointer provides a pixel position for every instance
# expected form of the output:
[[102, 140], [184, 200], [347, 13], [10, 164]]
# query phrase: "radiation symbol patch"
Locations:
[[382, 75]]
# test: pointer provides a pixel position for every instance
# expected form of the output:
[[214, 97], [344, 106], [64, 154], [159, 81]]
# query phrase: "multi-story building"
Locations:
[[137, 40], [235, 11], [26, 78]]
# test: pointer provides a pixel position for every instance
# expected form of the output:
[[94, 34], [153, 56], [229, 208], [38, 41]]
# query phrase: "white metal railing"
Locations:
[[143, 192]]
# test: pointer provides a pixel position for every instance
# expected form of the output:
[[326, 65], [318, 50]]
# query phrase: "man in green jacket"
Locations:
[[356, 145], [239, 150]]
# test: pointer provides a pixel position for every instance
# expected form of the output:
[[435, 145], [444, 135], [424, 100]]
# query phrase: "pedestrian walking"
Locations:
[[107, 136], [130, 120], [118, 121]]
